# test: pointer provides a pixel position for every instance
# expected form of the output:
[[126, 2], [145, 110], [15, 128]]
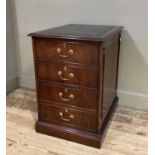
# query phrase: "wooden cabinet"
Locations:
[[76, 70]]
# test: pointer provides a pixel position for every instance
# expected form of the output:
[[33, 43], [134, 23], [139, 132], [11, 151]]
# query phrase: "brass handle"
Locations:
[[71, 96], [60, 74], [69, 53], [71, 116]]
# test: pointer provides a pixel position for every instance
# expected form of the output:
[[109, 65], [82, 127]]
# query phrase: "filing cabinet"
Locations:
[[76, 70]]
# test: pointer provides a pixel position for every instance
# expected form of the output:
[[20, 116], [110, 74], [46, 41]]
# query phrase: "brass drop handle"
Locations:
[[69, 53], [61, 76], [70, 75], [71, 116], [71, 96]]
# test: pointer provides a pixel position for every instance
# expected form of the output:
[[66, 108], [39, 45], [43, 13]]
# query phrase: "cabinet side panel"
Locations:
[[34, 59], [110, 57]]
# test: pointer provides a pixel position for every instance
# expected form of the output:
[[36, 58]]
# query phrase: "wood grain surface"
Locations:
[[127, 134]]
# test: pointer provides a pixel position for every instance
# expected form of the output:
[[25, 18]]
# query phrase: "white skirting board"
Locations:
[[133, 100], [11, 84], [128, 99], [27, 82]]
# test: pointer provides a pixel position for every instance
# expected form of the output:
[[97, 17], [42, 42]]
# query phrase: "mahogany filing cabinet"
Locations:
[[76, 70]]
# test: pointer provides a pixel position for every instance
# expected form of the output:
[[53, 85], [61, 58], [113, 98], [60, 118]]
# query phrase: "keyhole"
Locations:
[[64, 44], [66, 110], [65, 68], [65, 90]]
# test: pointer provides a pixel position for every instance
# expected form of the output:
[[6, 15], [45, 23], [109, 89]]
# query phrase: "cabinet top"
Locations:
[[81, 32]]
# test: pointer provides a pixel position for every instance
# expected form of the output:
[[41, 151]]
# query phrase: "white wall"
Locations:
[[33, 15], [11, 62]]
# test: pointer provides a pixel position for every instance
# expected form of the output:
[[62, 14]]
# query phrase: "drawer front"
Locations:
[[59, 50], [67, 74], [68, 116], [68, 95]]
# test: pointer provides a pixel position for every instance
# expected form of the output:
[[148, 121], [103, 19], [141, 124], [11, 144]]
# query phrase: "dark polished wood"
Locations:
[[76, 32], [70, 116], [81, 76], [83, 98], [50, 46], [110, 57], [73, 134], [76, 70]]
